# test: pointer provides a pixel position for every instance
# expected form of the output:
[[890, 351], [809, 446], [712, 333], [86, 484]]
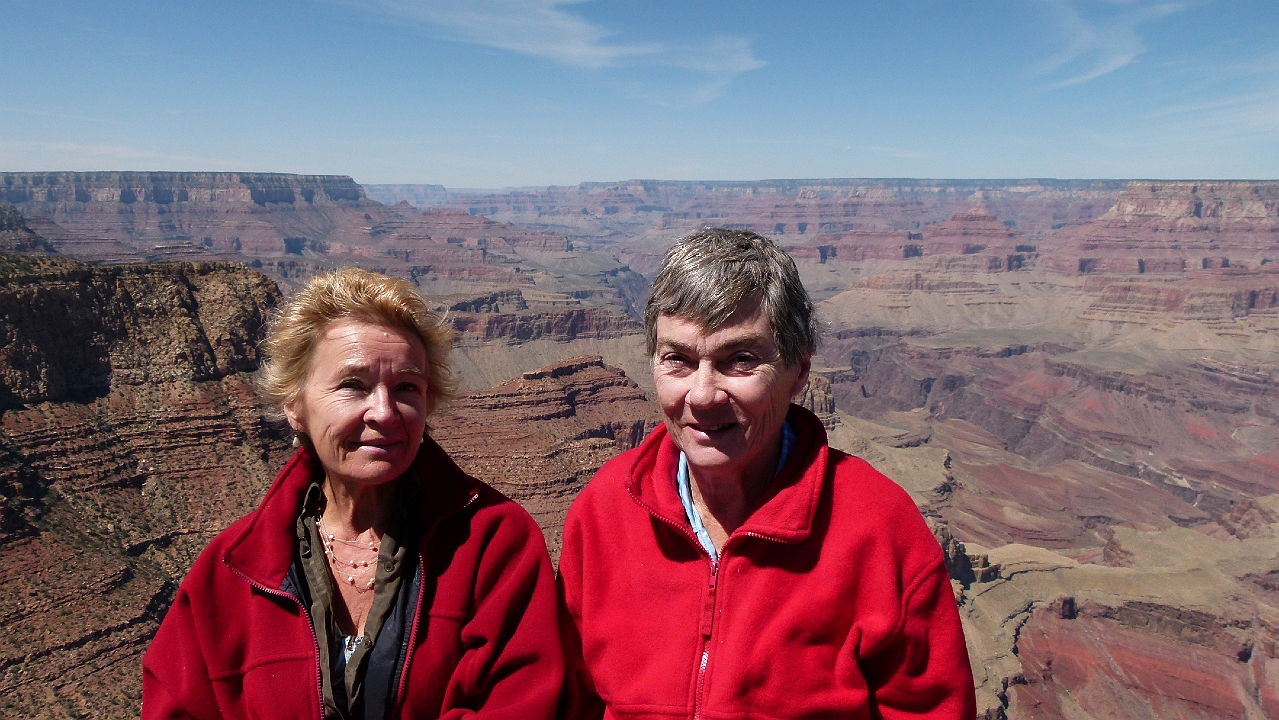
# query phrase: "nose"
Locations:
[[706, 391], [381, 410]]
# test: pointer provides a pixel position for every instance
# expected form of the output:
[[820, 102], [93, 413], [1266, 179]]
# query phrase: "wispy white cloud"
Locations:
[[542, 28], [547, 29], [1243, 114], [40, 112], [1102, 40], [1229, 98]]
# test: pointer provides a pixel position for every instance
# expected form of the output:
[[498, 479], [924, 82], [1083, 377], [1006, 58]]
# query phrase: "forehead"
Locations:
[[359, 343], [747, 325]]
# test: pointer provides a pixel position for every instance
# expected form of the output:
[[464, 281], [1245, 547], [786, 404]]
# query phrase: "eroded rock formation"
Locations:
[[129, 435], [539, 438]]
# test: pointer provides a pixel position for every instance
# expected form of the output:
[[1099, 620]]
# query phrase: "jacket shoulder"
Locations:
[[491, 505], [879, 505]]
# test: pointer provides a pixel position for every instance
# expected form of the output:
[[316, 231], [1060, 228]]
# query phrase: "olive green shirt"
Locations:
[[343, 696]]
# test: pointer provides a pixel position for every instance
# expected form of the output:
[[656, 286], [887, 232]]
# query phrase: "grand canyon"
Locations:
[[1077, 382]]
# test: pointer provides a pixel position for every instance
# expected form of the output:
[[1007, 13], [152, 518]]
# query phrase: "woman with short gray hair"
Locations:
[[734, 564]]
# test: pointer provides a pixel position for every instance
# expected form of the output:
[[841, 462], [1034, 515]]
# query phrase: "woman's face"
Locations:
[[364, 402], [725, 393]]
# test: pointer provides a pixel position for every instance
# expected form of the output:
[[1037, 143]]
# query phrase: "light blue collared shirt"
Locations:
[[686, 494]]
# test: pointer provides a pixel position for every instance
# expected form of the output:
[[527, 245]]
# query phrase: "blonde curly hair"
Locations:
[[350, 294]]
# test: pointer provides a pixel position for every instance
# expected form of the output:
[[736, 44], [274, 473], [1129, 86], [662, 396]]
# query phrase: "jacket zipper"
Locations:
[[708, 612], [315, 640], [402, 690], [708, 626]]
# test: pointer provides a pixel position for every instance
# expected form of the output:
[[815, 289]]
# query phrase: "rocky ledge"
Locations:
[[541, 437]]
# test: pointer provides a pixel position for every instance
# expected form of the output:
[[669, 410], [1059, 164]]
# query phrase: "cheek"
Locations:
[[414, 414], [669, 390], [334, 418], [761, 398]]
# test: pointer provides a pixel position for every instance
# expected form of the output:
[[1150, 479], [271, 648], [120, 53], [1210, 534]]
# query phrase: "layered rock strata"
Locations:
[[1097, 457], [1175, 227], [17, 237], [539, 438], [129, 436]]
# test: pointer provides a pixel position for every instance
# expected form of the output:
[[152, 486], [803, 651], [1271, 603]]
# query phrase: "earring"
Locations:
[[296, 442]]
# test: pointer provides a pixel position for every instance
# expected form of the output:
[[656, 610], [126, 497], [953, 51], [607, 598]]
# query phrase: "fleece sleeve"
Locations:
[[924, 671], [579, 701], [511, 664], [175, 680]]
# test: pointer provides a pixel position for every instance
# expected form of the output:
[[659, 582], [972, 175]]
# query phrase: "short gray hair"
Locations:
[[706, 275]]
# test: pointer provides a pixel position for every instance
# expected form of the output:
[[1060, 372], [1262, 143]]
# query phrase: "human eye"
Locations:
[[674, 361], [414, 387], [350, 383], [743, 361]]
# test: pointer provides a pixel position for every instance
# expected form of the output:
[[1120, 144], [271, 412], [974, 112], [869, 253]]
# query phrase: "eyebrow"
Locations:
[[732, 344], [357, 368]]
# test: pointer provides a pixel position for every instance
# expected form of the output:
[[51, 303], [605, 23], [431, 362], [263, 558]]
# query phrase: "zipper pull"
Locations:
[[708, 612]]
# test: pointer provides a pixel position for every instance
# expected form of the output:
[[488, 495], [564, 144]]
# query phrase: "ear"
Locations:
[[292, 412], [805, 365]]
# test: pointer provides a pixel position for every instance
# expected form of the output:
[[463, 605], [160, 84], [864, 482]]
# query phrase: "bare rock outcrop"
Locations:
[[541, 437], [17, 237], [129, 436], [561, 325], [71, 331], [1174, 227]]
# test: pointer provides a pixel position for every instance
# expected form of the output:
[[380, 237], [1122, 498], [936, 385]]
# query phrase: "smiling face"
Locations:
[[364, 402], [725, 393]]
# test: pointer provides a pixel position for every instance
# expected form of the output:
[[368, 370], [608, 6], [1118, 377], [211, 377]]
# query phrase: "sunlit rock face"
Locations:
[[540, 437], [1100, 439]]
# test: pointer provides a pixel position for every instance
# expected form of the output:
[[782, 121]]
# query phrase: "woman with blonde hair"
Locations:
[[375, 579]]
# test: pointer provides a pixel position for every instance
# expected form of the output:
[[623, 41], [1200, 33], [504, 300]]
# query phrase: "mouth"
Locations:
[[374, 444], [708, 428]]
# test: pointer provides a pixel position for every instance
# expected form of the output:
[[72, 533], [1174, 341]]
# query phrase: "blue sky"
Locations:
[[495, 93]]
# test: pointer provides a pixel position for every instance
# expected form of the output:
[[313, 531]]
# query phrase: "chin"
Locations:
[[710, 458], [377, 473]]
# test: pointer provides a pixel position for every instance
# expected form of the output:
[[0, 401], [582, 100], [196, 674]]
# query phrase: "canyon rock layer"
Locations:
[[1076, 381]]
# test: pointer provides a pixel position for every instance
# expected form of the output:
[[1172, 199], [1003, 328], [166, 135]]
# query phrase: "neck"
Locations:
[[353, 509], [725, 499]]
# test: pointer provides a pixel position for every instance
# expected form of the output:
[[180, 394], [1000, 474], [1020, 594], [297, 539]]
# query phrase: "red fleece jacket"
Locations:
[[832, 600], [485, 641]]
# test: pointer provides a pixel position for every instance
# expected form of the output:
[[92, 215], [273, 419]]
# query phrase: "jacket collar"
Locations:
[[262, 547], [784, 512]]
